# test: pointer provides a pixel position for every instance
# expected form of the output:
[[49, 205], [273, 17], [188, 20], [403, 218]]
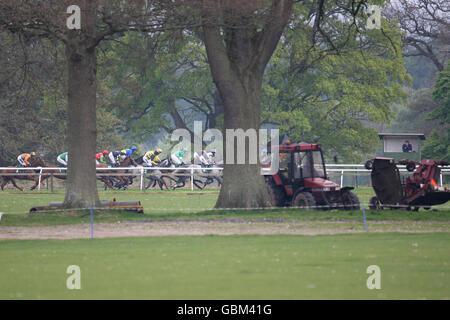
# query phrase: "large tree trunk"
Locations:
[[81, 188], [238, 53], [243, 185]]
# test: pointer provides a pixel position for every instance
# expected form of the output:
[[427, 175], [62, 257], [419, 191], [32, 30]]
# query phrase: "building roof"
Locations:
[[421, 136]]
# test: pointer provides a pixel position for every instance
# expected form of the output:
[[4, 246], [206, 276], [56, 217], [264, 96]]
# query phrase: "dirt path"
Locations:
[[167, 228]]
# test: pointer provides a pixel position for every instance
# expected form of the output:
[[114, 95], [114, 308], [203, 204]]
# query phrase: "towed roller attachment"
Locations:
[[105, 205]]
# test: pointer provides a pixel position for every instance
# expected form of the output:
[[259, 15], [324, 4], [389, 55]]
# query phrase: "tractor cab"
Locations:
[[299, 162], [302, 175]]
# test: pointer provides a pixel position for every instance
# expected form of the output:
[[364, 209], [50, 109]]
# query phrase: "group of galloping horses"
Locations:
[[115, 179]]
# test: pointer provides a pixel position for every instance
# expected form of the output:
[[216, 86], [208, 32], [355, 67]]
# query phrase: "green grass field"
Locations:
[[14, 201], [184, 205], [413, 265]]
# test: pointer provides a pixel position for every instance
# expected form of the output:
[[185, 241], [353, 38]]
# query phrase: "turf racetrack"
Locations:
[[413, 266], [265, 254]]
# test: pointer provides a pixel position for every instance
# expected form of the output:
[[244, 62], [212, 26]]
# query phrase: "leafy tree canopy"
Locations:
[[326, 95], [437, 146]]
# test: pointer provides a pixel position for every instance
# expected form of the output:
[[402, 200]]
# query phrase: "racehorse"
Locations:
[[213, 174], [124, 181], [157, 177], [182, 173], [107, 180], [34, 162], [116, 181], [211, 171], [49, 170]]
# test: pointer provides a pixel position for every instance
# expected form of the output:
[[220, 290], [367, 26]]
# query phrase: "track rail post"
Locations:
[[142, 177], [40, 177], [192, 178]]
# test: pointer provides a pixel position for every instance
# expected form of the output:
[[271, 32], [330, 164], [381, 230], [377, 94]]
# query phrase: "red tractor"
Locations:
[[419, 190], [302, 181]]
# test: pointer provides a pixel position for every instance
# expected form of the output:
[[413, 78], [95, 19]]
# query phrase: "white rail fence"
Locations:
[[355, 170], [142, 172], [339, 171], [343, 170]]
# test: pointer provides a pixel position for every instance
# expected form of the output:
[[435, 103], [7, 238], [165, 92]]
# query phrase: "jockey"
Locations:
[[177, 157], [265, 158], [151, 157], [127, 152], [211, 154], [203, 158], [24, 157], [63, 158], [113, 155], [116, 156], [101, 157]]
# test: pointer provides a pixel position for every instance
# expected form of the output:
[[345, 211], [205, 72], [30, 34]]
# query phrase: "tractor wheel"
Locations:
[[305, 200], [276, 194], [369, 165], [350, 201], [374, 204]]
